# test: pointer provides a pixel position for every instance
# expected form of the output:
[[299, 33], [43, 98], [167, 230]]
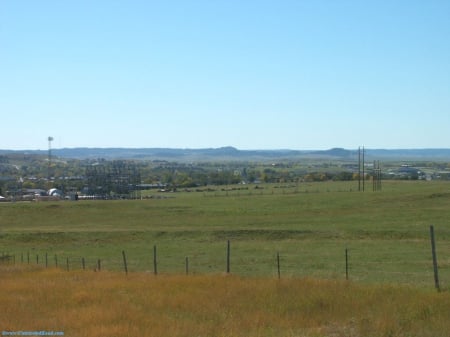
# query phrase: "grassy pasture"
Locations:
[[390, 292], [310, 225], [81, 304]]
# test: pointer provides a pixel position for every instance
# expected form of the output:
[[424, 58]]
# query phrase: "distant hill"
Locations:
[[231, 153], [428, 154]]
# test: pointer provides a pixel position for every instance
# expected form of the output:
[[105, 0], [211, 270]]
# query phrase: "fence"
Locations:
[[357, 263]]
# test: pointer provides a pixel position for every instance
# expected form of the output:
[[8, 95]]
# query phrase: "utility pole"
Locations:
[[379, 177], [363, 170], [376, 176], [50, 139], [359, 168]]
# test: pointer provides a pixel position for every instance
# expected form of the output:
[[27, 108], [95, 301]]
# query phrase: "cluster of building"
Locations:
[[34, 194]]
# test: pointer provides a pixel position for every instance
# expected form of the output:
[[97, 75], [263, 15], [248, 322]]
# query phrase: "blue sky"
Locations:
[[305, 74]]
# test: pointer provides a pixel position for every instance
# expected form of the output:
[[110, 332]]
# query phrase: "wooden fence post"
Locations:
[[67, 262], [346, 264], [83, 263], [56, 261], [187, 265], [433, 253], [125, 262], [46, 260], [228, 256], [155, 262], [99, 265], [278, 265]]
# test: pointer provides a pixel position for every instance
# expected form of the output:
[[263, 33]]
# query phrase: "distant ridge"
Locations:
[[231, 153], [336, 152]]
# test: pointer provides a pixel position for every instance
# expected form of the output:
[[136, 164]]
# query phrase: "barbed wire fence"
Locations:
[[348, 263]]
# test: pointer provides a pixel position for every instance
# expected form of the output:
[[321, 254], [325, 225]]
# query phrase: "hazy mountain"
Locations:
[[231, 153]]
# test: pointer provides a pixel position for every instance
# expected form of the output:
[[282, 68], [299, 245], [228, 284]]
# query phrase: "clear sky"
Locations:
[[254, 74]]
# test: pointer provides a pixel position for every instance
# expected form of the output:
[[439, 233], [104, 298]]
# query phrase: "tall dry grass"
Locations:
[[113, 304]]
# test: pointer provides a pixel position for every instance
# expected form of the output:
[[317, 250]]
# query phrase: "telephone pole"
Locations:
[[50, 139], [361, 169]]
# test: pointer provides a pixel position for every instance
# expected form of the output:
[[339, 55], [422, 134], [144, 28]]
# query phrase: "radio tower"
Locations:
[[50, 139]]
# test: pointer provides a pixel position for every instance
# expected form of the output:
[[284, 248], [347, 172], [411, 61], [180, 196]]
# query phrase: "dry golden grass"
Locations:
[[140, 304]]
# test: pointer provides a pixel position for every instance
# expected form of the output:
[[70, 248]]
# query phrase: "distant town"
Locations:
[[74, 174]]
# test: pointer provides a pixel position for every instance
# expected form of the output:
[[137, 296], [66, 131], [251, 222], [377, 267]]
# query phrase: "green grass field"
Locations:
[[310, 225]]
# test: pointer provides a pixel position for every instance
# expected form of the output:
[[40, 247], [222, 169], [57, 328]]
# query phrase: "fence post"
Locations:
[[83, 263], [346, 264], [37, 258], [155, 262], [187, 265], [99, 265], [125, 262], [56, 261], [46, 260], [433, 253], [28, 257], [278, 265], [228, 256], [67, 262], [21, 257]]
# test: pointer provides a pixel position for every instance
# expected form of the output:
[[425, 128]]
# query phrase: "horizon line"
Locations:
[[225, 147]]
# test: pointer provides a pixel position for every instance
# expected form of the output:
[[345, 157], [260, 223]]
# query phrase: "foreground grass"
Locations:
[[113, 304]]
